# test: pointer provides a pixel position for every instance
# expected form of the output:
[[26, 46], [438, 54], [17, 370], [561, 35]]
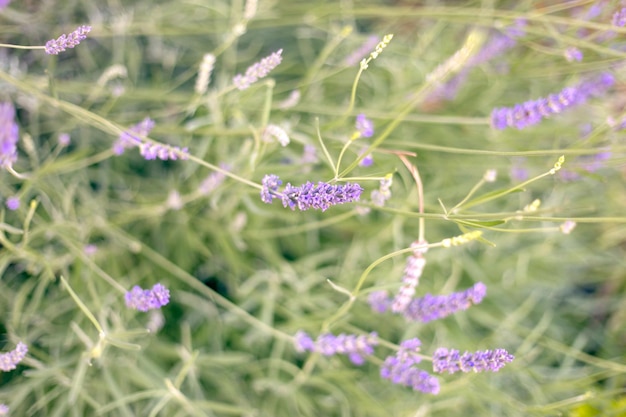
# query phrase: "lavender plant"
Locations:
[[145, 270]]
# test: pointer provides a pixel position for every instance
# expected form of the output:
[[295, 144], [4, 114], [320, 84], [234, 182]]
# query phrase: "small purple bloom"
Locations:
[[214, 180], [400, 369], [573, 54], [54, 46], [451, 361], [355, 347], [9, 135], [64, 139], [4, 409], [433, 307], [364, 126], [619, 18], [144, 300], [533, 111], [9, 360], [368, 161], [3, 4], [13, 203], [379, 301], [363, 51], [130, 137], [412, 272], [270, 188], [258, 70]]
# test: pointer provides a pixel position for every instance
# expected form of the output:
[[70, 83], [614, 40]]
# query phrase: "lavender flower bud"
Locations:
[[433, 307], [9, 360], [451, 361], [274, 131], [144, 300], [9, 135], [130, 138], [54, 46], [533, 111], [364, 126], [412, 272], [270, 185], [258, 70], [379, 301], [400, 369], [151, 151], [356, 347], [13, 203], [619, 18], [573, 54], [204, 73]]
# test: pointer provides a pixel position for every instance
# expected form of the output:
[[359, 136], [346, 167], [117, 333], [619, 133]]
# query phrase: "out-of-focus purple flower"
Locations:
[[534, 111], [519, 172], [619, 18], [13, 203], [383, 193], [363, 51], [90, 249], [319, 196], [567, 227], [400, 369], [131, 137], [151, 151], [4, 409], [573, 54], [3, 4], [368, 161], [309, 155], [364, 126], [451, 361], [9, 135], [144, 300], [54, 46], [412, 272], [355, 347], [9, 360], [379, 301], [214, 180], [64, 139], [258, 70], [433, 307]]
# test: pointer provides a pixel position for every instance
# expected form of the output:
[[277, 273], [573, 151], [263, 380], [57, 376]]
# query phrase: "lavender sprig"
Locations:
[[9, 360], [400, 369], [356, 347], [434, 307], [144, 300], [451, 361], [55, 46], [533, 111], [319, 196], [132, 138], [9, 135], [619, 18], [258, 70]]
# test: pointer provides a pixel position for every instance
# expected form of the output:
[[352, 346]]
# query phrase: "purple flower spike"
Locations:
[[54, 46], [355, 347], [433, 307], [130, 138], [534, 111], [451, 361], [9, 135], [9, 360], [258, 70], [400, 369], [4, 409], [364, 126], [270, 186], [144, 300]]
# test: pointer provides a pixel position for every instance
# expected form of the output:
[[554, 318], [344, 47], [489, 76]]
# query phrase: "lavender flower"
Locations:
[[9, 135], [383, 193], [9, 360], [309, 155], [451, 361], [3, 4], [204, 73], [4, 409], [144, 300], [130, 137], [573, 54], [412, 272], [363, 51], [213, 181], [13, 203], [379, 301], [619, 18], [364, 126], [368, 161], [258, 70], [356, 347], [64, 139], [400, 369], [433, 307], [309, 195], [151, 151], [54, 46], [533, 111]]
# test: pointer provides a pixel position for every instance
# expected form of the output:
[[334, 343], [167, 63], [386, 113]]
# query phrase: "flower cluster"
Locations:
[[400, 369], [619, 18], [9, 360], [432, 307], [451, 361], [54, 46], [573, 54], [144, 300], [533, 111], [9, 135], [258, 70], [319, 196], [356, 347], [131, 138], [364, 126]]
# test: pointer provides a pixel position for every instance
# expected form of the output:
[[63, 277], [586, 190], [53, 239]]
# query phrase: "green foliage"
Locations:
[[244, 276]]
